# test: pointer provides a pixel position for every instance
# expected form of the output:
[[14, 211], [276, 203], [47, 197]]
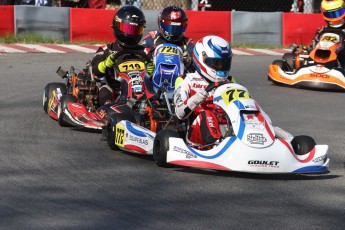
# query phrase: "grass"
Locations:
[[37, 39]]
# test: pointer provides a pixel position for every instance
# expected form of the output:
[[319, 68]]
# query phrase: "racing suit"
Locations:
[[154, 38], [205, 117], [109, 91], [341, 51]]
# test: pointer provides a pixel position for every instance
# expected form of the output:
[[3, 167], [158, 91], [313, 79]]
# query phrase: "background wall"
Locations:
[[45, 21], [238, 27], [256, 28]]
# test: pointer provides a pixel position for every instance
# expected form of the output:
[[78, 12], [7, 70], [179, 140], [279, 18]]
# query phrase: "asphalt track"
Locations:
[[64, 178]]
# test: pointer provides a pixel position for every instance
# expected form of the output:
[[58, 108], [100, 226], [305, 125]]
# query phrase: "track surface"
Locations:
[[64, 178]]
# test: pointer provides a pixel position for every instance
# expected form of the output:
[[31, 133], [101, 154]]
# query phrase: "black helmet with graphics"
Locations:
[[128, 25]]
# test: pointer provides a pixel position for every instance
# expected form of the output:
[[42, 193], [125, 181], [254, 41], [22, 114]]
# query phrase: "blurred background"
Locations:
[[303, 6]]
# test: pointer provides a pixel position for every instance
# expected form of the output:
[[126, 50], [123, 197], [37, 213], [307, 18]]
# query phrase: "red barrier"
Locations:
[[300, 28], [6, 20], [202, 23], [91, 25]]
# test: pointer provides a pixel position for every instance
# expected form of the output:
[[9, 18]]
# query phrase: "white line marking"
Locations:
[[10, 50], [41, 48]]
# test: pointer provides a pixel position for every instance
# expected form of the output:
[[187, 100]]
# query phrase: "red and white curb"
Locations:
[[64, 48]]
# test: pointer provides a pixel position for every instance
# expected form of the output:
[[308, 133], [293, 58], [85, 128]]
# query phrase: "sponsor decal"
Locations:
[[77, 105], [59, 94], [319, 75], [102, 113], [198, 86], [256, 138], [264, 164], [138, 140], [188, 153], [320, 158]]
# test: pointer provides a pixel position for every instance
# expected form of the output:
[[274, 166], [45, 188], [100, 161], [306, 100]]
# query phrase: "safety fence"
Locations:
[[306, 6], [238, 27]]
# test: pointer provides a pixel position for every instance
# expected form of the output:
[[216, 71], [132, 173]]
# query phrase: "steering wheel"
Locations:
[[213, 85], [134, 52]]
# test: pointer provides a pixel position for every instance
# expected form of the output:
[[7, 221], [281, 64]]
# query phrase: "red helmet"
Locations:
[[172, 22]]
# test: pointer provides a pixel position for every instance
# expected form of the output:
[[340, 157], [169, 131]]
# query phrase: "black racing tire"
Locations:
[[279, 63], [161, 146], [111, 128], [302, 144], [48, 90], [290, 59], [63, 119]]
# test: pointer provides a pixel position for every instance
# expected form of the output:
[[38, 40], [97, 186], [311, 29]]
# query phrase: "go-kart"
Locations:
[[75, 103], [79, 87], [317, 68], [250, 142], [135, 132]]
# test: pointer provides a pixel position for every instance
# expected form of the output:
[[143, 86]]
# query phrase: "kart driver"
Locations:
[[128, 27], [172, 24], [334, 14], [212, 57]]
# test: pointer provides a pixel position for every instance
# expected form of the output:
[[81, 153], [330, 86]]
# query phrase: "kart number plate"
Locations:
[[330, 38], [232, 94], [120, 135], [130, 66], [168, 50]]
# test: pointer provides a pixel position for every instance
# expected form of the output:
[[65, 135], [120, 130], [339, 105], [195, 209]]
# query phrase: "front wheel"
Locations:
[[289, 59], [161, 146], [302, 144], [62, 118], [48, 90]]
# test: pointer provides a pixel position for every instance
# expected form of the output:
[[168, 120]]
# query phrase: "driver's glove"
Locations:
[[197, 99], [150, 68], [186, 59], [109, 62]]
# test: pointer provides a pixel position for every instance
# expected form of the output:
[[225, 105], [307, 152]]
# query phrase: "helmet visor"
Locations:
[[334, 13], [221, 64], [130, 29], [174, 28]]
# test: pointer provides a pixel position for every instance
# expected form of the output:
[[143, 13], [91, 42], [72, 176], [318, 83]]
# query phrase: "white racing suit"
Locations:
[[194, 103]]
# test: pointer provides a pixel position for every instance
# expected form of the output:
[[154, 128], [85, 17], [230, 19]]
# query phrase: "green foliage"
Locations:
[[29, 38], [36, 39]]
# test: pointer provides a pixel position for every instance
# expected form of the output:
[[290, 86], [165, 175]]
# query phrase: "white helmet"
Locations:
[[212, 58]]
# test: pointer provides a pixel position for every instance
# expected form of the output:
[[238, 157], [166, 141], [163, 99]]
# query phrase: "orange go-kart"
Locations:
[[317, 68]]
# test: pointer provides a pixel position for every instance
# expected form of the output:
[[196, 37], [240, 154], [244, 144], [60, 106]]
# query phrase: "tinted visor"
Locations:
[[130, 29], [174, 28], [335, 13], [222, 64]]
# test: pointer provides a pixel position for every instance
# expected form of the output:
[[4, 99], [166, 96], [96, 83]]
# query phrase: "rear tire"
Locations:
[[302, 144], [48, 90], [161, 146], [111, 128], [62, 118]]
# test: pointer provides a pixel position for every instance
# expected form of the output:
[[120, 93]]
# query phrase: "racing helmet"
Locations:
[[172, 23], [128, 25], [333, 12], [212, 57]]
